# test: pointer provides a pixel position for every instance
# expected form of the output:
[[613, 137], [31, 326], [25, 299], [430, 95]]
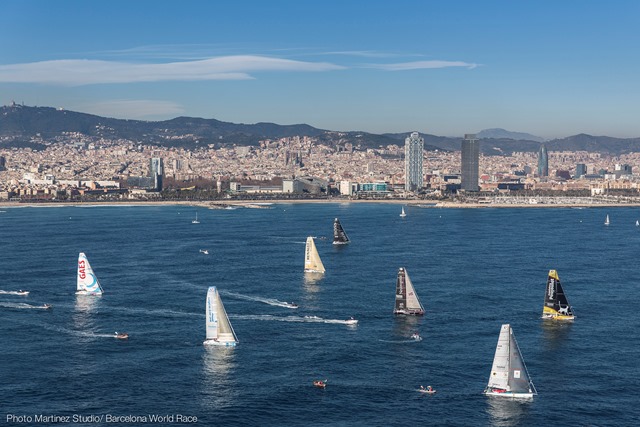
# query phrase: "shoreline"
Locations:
[[262, 203]]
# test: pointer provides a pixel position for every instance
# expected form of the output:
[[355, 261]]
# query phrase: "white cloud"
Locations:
[[134, 109], [72, 72], [418, 65]]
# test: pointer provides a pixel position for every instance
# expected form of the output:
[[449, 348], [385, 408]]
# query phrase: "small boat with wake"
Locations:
[[46, 306], [121, 336], [21, 292], [416, 336], [351, 321], [428, 390], [320, 383], [204, 251]]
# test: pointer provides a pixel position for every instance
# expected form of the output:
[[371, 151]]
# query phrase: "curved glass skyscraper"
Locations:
[[543, 161], [413, 148]]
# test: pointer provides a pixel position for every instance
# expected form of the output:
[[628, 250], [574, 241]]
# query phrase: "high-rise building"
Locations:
[[543, 161], [470, 163], [3, 163], [156, 170], [413, 175], [581, 170]]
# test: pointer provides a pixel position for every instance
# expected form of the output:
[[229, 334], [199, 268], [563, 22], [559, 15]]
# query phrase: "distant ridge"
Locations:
[[34, 127], [498, 133]]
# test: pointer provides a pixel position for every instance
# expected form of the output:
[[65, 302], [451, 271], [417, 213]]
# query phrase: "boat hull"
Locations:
[[548, 316], [97, 294], [509, 395], [220, 343], [409, 312]]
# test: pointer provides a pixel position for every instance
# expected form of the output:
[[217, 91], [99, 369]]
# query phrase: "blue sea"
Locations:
[[473, 269]]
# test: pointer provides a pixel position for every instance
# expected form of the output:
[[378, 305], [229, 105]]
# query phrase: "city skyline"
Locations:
[[546, 68]]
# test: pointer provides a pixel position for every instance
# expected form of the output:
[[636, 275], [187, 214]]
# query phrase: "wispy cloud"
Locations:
[[419, 65], [134, 109], [73, 72]]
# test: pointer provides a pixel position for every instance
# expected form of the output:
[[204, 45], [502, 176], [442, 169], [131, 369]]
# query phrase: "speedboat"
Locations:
[[320, 383], [416, 336], [46, 306], [21, 292], [428, 390], [121, 336], [351, 321], [204, 251], [293, 305]]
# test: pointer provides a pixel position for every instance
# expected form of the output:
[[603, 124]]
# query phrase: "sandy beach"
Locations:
[[262, 203]]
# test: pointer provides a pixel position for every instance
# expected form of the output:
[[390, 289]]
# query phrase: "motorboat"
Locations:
[[427, 390], [21, 292], [204, 251], [351, 321], [121, 336], [320, 383], [416, 336]]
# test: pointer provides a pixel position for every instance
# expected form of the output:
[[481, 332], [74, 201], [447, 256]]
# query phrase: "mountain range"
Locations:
[[24, 126]]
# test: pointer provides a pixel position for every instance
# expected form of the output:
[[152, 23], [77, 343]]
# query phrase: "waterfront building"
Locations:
[[413, 174], [470, 163], [543, 161]]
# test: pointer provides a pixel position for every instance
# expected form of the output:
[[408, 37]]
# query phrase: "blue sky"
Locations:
[[550, 68]]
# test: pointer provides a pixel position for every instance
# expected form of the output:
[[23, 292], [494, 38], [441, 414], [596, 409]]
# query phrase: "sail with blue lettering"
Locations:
[[218, 328], [87, 283]]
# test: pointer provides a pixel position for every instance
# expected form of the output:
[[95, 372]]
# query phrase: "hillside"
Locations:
[[19, 125]]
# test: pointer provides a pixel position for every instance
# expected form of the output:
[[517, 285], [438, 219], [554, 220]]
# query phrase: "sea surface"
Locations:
[[473, 269]]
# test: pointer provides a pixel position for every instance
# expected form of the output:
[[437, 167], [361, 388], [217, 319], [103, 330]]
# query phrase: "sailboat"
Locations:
[[219, 329], [606, 221], [509, 376], [312, 261], [407, 301], [195, 221], [637, 223], [403, 214], [339, 236], [87, 283], [556, 305]]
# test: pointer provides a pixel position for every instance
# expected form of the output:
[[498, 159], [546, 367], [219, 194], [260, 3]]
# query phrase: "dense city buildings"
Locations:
[[413, 154], [470, 163], [78, 167]]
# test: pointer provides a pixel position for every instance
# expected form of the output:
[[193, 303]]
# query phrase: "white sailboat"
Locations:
[[407, 301], [312, 261], [403, 214], [637, 223], [606, 220], [87, 283], [219, 329], [509, 377], [195, 221]]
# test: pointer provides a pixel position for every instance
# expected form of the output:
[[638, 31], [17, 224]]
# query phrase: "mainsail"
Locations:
[[218, 328], [509, 376], [339, 236], [87, 283], [407, 301], [556, 305], [312, 261]]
